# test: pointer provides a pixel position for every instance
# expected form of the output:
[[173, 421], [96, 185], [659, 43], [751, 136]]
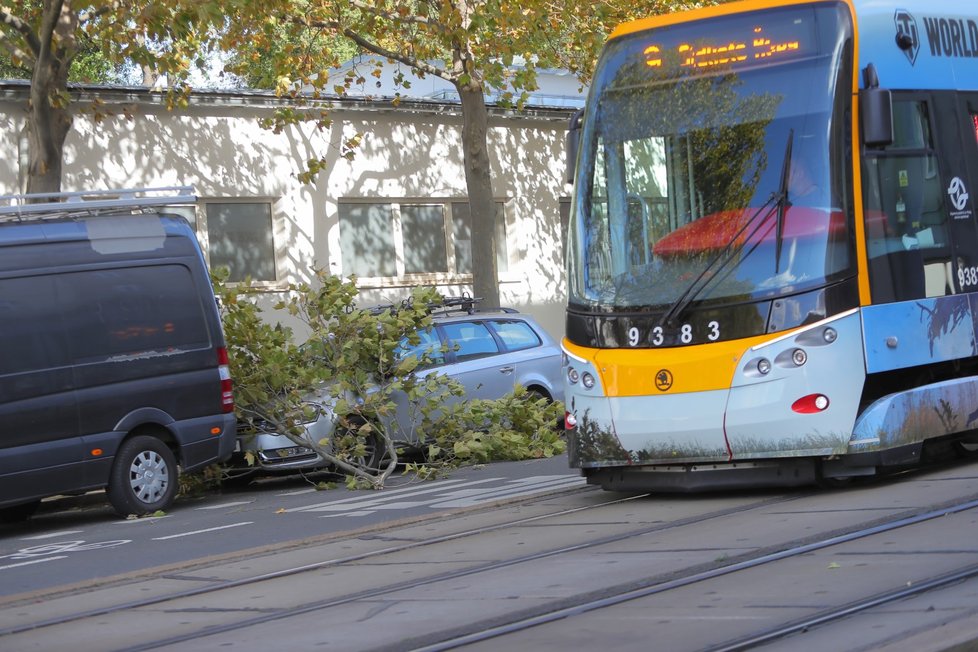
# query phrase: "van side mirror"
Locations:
[[876, 109], [573, 143]]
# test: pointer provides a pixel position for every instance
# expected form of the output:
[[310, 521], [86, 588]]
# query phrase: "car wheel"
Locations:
[[19, 513], [374, 445], [534, 394], [143, 478]]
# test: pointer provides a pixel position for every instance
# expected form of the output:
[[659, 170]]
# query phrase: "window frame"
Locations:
[[204, 233], [402, 277]]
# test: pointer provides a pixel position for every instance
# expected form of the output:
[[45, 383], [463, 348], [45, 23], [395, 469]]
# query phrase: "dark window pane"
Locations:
[[131, 311], [462, 229], [30, 325], [472, 339], [911, 127], [423, 230], [366, 240], [516, 335], [240, 236], [429, 345]]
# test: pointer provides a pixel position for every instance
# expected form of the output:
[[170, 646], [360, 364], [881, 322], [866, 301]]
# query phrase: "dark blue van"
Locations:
[[113, 368]]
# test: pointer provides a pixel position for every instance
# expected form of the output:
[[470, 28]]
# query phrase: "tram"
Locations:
[[772, 248]]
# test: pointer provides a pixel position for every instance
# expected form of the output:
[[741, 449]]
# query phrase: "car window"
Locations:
[[429, 344], [516, 335], [473, 339]]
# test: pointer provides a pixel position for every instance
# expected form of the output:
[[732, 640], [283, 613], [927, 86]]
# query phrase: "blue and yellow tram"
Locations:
[[773, 250]]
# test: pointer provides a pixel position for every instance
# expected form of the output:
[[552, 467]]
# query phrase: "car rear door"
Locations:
[[536, 361], [477, 364]]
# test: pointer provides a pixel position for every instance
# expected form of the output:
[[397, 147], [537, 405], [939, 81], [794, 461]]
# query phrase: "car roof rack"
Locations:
[[448, 305], [466, 304], [463, 302], [52, 205]]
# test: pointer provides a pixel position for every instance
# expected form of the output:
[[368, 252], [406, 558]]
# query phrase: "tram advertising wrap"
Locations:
[[773, 253]]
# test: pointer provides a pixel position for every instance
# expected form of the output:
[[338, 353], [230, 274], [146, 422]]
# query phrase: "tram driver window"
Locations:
[[906, 219]]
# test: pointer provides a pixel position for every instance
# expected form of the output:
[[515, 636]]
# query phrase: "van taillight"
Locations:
[[227, 396]]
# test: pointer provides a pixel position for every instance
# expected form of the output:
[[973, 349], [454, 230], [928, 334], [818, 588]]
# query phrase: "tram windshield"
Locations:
[[713, 163]]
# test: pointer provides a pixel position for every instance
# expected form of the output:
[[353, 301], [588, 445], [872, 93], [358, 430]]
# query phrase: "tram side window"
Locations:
[[906, 220]]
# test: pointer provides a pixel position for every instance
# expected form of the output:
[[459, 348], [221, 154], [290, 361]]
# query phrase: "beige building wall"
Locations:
[[409, 156]]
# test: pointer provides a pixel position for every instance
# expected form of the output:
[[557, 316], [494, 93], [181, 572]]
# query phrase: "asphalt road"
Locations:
[[77, 539], [577, 569]]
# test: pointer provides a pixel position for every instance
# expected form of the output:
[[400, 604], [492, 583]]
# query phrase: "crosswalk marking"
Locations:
[[445, 495], [223, 505], [377, 497]]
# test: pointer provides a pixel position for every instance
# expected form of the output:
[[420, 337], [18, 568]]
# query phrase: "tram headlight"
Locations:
[[830, 335], [799, 357], [587, 380], [764, 366], [573, 376]]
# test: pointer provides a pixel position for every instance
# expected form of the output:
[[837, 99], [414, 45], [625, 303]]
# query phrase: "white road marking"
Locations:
[[381, 496], [360, 513], [147, 519], [457, 496], [51, 535], [223, 505], [210, 529], [298, 492], [33, 561], [519, 490]]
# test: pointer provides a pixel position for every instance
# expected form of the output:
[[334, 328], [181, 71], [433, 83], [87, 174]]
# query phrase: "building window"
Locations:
[[367, 240], [397, 239], [423, 231], [462, 229], [239, 237]]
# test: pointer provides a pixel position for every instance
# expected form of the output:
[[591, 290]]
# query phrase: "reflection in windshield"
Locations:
[[677, 165]]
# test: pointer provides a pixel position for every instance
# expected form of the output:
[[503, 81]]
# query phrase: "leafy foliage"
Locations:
[[349, 369]]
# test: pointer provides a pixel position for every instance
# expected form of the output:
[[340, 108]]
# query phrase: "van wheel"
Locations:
[[144, 477]]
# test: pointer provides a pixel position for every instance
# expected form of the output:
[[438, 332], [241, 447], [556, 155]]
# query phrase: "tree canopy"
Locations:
[[57, 41], [482, 47]]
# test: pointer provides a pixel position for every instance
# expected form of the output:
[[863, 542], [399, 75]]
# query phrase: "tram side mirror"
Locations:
[[876, 109], [573, 143]]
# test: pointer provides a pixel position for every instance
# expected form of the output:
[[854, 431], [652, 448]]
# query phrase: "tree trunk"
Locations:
[[478, 182], [49, 115], [48, 126]]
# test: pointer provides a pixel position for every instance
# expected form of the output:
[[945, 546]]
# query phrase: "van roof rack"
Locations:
[[51, 205]]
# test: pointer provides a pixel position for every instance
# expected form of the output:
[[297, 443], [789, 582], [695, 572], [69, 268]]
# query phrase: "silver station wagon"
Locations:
[[489, 353]]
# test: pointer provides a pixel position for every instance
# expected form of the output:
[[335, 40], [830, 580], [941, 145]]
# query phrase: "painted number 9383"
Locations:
[[967, 277], [685, 334]]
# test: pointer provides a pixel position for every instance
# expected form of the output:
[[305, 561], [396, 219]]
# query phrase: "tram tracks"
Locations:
[[232, 621], [285, 573], [757, 638]]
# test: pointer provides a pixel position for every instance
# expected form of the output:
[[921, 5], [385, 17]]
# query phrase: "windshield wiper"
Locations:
[[728, 252], [783, 202]]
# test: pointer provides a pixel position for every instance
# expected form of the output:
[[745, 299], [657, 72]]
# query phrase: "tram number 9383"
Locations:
[[657, 336], [967, 277]]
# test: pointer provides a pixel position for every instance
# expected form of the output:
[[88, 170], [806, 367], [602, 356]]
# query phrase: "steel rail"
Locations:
[[407, 584], [661, 587]]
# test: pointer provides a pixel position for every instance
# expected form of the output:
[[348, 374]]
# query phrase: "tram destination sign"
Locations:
[[735, 42]]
